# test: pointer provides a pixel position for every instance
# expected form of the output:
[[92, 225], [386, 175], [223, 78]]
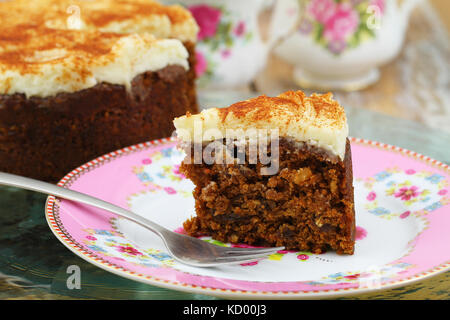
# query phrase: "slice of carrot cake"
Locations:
[[272, 171]]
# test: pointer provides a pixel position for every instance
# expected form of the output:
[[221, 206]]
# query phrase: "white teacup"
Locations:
[[340, 45], [230, 49]]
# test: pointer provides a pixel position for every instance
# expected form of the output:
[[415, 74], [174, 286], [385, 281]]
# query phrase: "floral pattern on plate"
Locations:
[[372, 276], [160, 170], [394, 192], [146, 179], [110, 243]]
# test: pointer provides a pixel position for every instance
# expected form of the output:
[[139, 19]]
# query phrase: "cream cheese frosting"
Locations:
[[43, 62], [121, 16], [318, 120]]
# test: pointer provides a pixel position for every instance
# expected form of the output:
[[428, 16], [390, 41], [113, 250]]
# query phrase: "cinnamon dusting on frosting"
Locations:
[[317, 119], [40, 61], [125, 9], [265, 108], [292, 106], [123, 16]]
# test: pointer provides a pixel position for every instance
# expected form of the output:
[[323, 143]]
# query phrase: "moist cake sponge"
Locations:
[[305, 204]]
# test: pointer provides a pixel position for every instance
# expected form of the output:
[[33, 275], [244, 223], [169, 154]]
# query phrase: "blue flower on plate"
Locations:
[[380, 176], [435, 178], [103, 232], [379, 211], [144, 177], [160, 256], [314, 283], [434, 206], [150, 265], [336, 275], [167, 152], [96, 248], [161, 175], [402, 265]]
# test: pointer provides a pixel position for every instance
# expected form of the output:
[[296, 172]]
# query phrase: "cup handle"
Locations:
[[283, 20]]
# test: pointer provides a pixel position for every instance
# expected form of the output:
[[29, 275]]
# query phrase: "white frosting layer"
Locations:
[[121, 16], [318, 120], [70, 68], [158, 25]]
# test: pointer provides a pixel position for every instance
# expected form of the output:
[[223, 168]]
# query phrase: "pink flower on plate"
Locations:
[[442, 192], [176, 171], [129, 250], [207, 18], [361, 233], [251, 263], [176, 168], [405, 214], [302, 257], [341, 24], [180, 230], [406, 193], [170, 190], [371, 196], [410, 171], [202, 64], [243, 245], [322, 10], [285, 251]]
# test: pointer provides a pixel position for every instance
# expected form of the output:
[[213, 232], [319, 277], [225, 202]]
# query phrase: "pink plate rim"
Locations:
[[51, 212]]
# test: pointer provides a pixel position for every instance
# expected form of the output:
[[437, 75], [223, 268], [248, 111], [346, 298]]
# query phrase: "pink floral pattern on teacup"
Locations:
[[338, 25], [342, 23], [219, 32], [207, 18], [202, 64], [322, 10]]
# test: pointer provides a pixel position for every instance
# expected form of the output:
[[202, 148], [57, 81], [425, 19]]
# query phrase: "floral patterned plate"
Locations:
[[402, 213]]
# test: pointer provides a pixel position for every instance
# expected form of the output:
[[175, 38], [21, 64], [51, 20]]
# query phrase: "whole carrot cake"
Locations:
[[119, 16], [79, 79], [272, 171], [69, 96]]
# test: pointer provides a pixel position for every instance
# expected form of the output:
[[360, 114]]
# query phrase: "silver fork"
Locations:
[[183, 248]]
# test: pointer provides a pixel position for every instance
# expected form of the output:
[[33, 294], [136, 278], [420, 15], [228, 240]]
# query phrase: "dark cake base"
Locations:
[[45, 138], [307, 206]]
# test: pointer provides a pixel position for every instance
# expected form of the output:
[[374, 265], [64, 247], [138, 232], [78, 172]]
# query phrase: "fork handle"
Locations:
[[51, 189]]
